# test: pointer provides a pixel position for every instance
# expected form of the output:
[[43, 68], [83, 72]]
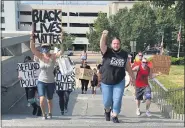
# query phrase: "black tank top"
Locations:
[[113, 67]]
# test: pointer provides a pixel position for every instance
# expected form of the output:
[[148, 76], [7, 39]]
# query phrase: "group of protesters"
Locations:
[[110, 76]]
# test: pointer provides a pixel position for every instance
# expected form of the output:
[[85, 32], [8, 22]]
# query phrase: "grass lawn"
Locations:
[[175, 79]]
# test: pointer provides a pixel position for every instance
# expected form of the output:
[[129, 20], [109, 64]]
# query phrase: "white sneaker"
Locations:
[[138, 112], [65, 111], [28, 104], [148, 113], [143, 101]]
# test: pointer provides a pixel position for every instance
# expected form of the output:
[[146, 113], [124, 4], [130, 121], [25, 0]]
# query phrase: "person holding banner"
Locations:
[[83, 81], [113, 76], [31, 93], [46, 79], [142, 86], [62, 94]]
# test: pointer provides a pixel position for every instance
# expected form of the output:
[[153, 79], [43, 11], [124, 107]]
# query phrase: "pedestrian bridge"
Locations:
[[84, 109]]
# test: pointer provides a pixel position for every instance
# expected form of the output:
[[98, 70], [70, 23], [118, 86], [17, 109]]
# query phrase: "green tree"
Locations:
[[93, 40], [100, 24], [120, 27], [67, 41], [142, 19], [178, 6], [166, 26]]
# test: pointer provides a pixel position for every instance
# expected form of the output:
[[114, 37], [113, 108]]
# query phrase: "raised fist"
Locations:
[[105, 32]]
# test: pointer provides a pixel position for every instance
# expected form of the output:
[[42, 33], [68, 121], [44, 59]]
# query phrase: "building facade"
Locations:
[[76, 19]]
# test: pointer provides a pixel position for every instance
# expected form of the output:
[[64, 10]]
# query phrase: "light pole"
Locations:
[[133, 46]]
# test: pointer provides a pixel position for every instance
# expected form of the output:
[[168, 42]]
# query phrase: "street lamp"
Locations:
[[133, 46]]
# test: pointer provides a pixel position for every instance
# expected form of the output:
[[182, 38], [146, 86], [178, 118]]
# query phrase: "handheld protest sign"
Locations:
[[47, 26], [161, 63], [65, 82], [29, 74], [82, 73]]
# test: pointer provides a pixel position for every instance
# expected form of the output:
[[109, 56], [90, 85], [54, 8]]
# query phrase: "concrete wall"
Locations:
[[9, 66], [9, 76], [11, 15]]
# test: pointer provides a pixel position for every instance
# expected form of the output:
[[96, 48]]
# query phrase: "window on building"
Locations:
[[2, 29], [64, 14], [73, 14], [64, 24], [2, 5], [78, 35], [26, 23], [25, 12], [2, 20], [80, 25], [88, 14]]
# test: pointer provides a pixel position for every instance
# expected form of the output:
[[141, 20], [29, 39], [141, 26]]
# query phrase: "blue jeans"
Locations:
[[112, 96], [48, 88]]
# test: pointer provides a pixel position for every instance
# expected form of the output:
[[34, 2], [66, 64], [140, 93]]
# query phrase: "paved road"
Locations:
[[87, 111]]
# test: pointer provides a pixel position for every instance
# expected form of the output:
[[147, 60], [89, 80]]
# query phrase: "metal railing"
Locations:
[[170, 101]]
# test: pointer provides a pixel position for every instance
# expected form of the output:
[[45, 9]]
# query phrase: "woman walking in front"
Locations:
[[113, 76], [46, 80]]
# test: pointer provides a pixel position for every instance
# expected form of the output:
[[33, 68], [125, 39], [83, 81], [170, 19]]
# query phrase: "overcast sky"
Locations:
[[66, 2]]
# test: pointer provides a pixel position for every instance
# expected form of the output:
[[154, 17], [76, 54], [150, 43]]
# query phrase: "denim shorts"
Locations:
[[143, 91], [46, 88]]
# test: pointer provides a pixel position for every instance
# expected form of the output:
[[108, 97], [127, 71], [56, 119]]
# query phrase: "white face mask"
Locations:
[[144, 64]]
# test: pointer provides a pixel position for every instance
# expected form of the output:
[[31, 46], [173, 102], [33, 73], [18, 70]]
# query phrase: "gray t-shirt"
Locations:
[[46, 71]]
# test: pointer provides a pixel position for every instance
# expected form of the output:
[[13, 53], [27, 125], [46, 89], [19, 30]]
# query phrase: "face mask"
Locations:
[[144, 64], [45, 50]]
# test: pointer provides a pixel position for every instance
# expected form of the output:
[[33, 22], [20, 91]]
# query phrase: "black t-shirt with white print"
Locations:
[[113, 67]]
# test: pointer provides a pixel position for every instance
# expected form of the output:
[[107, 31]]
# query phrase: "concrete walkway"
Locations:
[[86, 110]]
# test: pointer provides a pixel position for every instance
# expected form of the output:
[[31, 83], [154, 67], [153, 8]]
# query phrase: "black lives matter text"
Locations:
[[65, 82], [47, 26]]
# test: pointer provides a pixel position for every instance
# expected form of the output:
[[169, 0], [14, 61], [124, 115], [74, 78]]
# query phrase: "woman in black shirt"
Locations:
[[113, 76]]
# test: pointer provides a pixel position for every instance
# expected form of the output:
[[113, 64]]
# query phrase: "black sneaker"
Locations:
[[39, 111], [115, 119], [107, 115], [35, 109], [62, 112]]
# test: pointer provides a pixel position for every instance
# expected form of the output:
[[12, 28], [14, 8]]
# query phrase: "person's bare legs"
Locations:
[[50, 106], [138, 107], [42, 106], [148, 102]]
